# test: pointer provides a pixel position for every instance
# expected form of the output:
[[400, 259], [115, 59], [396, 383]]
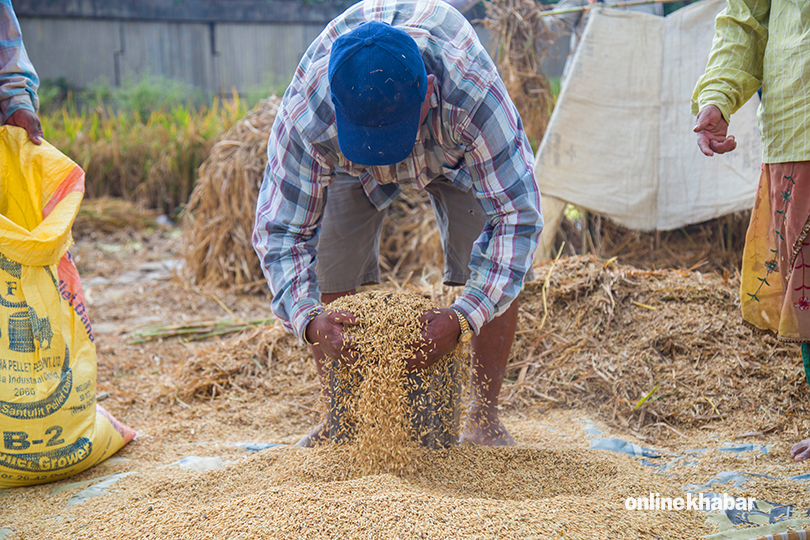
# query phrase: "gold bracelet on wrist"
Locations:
[[464, 324]]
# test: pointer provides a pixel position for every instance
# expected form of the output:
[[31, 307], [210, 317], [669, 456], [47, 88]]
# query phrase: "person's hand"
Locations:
[[801, 450], [711, 131], [439, 338], [326, 331], [29, 121]]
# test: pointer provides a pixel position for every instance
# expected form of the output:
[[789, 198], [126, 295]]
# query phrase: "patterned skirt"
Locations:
[[775, 288]]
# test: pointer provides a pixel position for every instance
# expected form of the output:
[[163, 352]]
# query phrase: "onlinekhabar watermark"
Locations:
[[713, 502]]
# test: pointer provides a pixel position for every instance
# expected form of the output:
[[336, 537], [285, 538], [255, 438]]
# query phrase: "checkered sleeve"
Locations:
[[501, 164], [288, 214], [735, 68], [18, 79]]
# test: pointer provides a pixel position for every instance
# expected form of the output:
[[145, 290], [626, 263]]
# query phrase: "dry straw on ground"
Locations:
[[108, 214], [593, 334], [263, 360], [600, 335]]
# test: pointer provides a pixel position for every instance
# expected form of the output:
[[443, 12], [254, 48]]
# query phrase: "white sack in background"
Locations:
[[620, 140]]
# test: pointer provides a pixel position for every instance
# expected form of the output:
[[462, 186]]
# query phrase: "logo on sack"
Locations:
[[26, 326], [23, 326], [52, 460], [14, 269], [44, 407]]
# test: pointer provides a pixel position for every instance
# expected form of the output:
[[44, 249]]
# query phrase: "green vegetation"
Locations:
[[143, 141], [554, 82]]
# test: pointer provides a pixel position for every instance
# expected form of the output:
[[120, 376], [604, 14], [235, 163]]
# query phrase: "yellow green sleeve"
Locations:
[[734, 71]]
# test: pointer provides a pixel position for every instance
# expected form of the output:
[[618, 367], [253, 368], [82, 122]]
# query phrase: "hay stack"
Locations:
[[523, 43], [410, 247], [218, 221]]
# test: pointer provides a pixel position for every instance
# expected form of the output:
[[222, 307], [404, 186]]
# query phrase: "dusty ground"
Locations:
[[550, 487]]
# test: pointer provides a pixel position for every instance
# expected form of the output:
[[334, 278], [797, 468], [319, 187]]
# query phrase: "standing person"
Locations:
[[394, 93], [18, 80], [766, 43]]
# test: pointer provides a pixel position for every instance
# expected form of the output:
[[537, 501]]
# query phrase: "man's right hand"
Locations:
[[325, 331], [711, 129]]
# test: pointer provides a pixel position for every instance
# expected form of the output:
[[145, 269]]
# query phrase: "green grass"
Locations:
[[143, 141], [555, 86]]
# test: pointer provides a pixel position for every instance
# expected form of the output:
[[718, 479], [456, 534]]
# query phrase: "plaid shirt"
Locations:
[[473, 137], [763, 43], [18, 80]]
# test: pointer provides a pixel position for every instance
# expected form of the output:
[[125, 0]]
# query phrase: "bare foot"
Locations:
[[801, 450], [317, 436], [486, 430]]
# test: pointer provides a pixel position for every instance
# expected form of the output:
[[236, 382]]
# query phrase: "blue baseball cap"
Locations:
[[378, 83]]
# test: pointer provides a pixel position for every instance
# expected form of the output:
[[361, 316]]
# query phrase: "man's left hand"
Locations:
[[29, 121], [439, 337]]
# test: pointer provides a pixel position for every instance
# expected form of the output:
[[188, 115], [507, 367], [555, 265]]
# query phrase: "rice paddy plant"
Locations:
[[146, 155]]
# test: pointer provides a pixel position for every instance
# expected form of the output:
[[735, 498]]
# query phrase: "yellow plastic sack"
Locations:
[[51, 426]]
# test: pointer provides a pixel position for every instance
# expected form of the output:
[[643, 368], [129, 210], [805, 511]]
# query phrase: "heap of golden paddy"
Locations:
[[377, 405]]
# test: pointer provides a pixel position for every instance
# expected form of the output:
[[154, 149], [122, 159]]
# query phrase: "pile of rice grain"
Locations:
[[373, 396], [466, 492]]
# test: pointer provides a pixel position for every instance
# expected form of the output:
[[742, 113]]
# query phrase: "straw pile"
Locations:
[[410, 246], [605, 336], [263, 360], [108, 215], [712, 245], [218, 221], [524, 42], [374, 397]]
